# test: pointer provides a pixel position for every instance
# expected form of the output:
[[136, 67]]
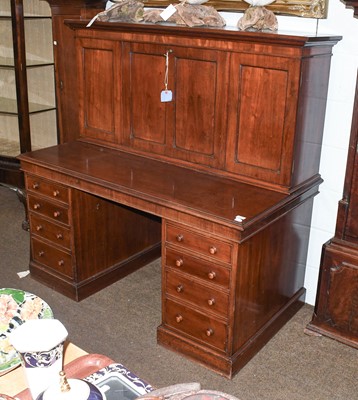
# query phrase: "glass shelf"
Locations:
[[6, 62], [5, 16], [9, 106]]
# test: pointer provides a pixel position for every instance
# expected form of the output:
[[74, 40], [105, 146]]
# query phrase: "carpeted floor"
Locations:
[[121, 321]]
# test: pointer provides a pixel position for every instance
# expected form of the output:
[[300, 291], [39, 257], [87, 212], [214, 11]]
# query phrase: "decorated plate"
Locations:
[[17, 307]]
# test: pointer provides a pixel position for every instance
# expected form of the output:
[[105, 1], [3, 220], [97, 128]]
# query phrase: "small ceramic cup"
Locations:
[[40, 345]]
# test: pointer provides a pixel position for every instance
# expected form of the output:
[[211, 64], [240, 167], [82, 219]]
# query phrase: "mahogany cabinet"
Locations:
[[225, 94], [223, 175], [336, 308]]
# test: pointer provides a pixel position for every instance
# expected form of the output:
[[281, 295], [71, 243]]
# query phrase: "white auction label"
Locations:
[[168, 12]]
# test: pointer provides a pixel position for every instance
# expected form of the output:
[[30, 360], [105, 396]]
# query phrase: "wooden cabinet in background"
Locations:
[[27, 99], [336, 308]]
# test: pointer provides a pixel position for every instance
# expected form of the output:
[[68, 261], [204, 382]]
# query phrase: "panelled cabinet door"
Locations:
[[336, 306], [263, 98], [188, 127], [99, 83]]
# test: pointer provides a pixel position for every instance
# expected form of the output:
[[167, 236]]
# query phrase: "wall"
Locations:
[[339, 21]]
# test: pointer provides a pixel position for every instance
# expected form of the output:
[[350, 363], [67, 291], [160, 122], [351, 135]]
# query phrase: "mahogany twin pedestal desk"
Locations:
[[219, 181]]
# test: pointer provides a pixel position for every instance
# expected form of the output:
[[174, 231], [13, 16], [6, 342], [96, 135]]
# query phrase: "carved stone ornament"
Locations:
[[189, 15], [258, 19], [123, 11]]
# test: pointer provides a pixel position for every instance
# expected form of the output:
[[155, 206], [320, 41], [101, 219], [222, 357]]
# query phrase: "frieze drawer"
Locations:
[[212, 247], [206, 270], [208, 330], [47, 188], [186, 289], [57, 234], [48, 209], [52, 257]]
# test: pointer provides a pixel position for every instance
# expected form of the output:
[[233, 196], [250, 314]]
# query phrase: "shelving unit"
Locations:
[[27, 95]]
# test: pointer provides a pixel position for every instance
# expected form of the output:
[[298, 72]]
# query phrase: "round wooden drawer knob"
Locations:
[[56, 193], [61, 263], [41, 253], [39, 228], [179, 318], [209, 332], [180, 237], [59, 236], [37, 206], [211, 275], [211, 302], [179, 262], [35, 186], [180, 288], [56, 214], [213, 250]]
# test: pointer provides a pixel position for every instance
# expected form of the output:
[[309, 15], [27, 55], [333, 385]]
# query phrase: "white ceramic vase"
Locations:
[[40, 345]]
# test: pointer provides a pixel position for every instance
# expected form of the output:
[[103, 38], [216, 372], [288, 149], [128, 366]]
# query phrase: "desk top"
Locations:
[[157, 186]]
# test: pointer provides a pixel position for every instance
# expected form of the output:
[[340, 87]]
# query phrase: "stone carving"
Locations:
[[258, 18], [123, 11], [189, 12], [189, 15]]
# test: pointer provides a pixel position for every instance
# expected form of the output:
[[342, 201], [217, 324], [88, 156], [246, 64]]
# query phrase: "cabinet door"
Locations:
[[99, 88], [191, 126], [336, 305], [262, 117]]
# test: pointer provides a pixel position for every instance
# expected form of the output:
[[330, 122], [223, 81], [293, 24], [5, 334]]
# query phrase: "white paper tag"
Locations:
[[23, 274], [239, 218], [168, 12], [166, 95]]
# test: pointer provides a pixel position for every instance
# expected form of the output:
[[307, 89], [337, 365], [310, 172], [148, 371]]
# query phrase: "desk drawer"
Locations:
[[206, 270], [52, 257], [57, 234], [47, 188], [206, 329], [206, 298], [186, 239], [48, 209]]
